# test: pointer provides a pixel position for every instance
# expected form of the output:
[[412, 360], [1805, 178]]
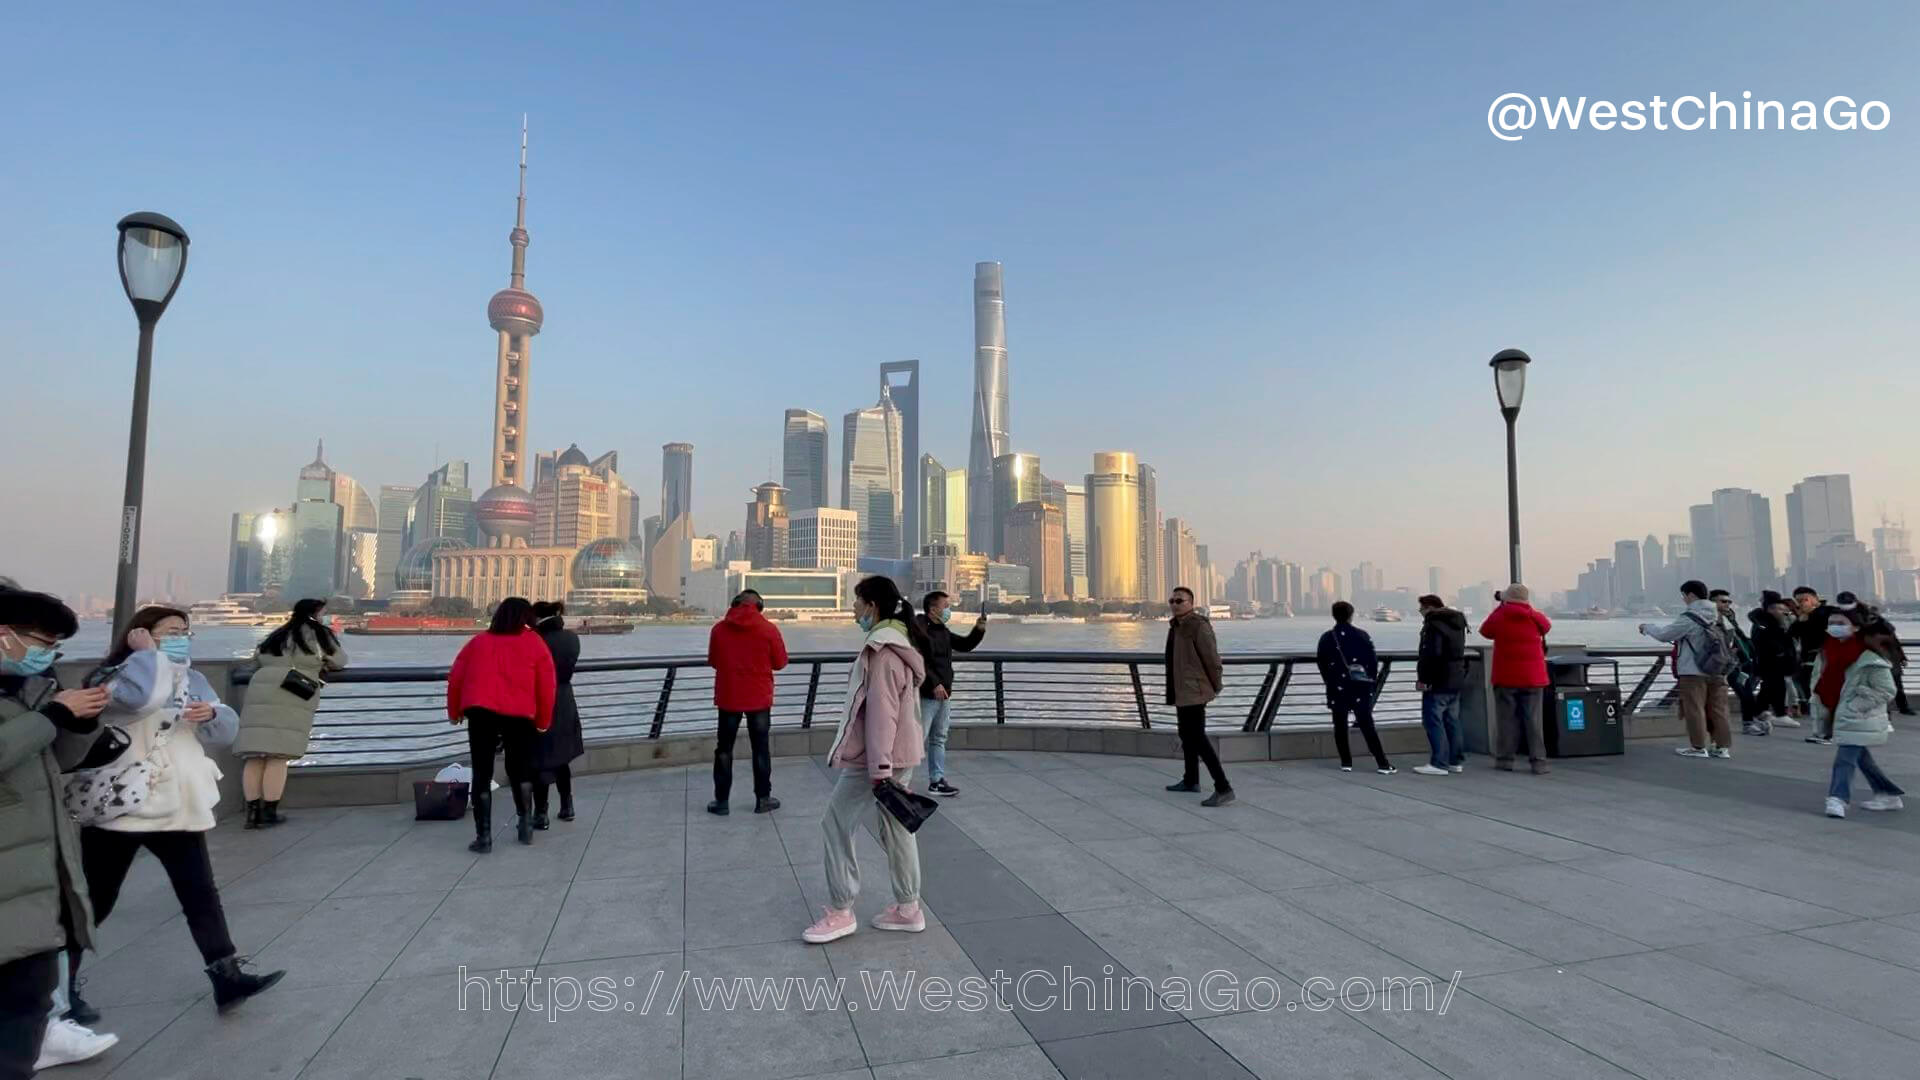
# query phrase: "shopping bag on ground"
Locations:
[[439, 800]]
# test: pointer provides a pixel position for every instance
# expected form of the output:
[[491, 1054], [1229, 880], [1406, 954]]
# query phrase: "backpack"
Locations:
[[1716, 655]]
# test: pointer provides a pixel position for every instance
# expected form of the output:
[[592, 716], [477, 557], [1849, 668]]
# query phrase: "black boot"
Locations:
[[540, 806], [765, 804], [523, 825], [253, 816], [565, 784], [270, 813], [482, 823], [233, 984]]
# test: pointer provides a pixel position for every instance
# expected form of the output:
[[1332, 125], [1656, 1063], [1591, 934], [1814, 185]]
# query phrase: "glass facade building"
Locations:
[[1113, 526], [803, 460], [991, 400], [1016, 480], [871, 475]]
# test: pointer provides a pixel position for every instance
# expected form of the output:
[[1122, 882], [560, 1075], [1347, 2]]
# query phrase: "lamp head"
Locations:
[[153, 257], [1510, 379]]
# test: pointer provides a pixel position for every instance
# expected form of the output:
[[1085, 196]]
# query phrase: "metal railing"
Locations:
[[397, 715]]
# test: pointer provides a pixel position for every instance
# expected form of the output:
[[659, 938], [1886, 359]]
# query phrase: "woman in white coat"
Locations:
[[167, 710]]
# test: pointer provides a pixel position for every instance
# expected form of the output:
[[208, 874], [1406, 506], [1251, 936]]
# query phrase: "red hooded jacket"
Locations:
[[1519, 636], [511, 674], [744, 650]]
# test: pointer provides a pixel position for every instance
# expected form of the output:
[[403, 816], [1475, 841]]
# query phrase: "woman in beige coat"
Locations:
[[276, 717]]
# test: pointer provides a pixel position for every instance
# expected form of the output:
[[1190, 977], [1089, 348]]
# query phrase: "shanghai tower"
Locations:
[[990, 413]]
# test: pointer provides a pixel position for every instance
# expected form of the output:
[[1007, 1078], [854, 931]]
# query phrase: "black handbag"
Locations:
[[439, 800], [106, 748], [908, 808], [300, 684]]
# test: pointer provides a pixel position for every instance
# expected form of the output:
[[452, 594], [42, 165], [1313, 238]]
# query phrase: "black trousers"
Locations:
[[1194, 744], [26, 996], [1362, 711], [759, 726], [561, 778], [487, 732], [107, 854]]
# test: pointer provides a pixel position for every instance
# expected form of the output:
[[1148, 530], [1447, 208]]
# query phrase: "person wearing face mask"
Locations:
[[744, 649], [937, 646], [878, 743], [169, 712], [1853, 687], [43, 901]]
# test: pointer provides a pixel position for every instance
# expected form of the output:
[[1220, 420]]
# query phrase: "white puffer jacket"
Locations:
[[150, 691]]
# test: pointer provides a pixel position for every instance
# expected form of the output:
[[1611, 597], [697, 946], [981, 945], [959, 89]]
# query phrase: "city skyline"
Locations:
[[1349, 306]]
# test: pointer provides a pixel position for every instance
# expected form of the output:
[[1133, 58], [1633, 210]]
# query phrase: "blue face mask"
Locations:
[[866, 622], [38, 659], [178, 649], [946, 614]]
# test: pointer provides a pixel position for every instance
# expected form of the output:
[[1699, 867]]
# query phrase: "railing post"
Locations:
[[1279, 692], [813, 692], [1140, 695], [1380, 684], [1260, 699], [1646, 683], [660, 707], [999, 693]]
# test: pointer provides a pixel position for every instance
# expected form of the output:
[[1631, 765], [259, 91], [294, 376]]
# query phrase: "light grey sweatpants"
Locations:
[[852, 797]]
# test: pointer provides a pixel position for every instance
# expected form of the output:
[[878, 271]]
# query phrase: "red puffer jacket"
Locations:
[[511, 674], [744, 650], [1519, 636]]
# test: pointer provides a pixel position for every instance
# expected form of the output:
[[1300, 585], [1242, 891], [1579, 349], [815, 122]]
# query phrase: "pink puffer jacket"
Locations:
[[880, 728]]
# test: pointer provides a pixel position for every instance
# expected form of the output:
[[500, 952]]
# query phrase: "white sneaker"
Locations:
[[1785, 721], [68, 1043], [1456, 768], [1430, 770], [1721, 752], [1883, 802], [1836, 808], [1388, 771], [1346, 768], [1688, 751]]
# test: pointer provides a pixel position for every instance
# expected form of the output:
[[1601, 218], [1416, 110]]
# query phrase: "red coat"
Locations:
[[1519, 636], [511, 674], [744, 649]]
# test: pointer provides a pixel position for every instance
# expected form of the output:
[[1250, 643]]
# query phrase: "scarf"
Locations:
[[1838, 656]]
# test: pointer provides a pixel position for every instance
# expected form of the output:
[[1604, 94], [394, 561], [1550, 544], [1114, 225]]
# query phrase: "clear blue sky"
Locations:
[[1269, 247]]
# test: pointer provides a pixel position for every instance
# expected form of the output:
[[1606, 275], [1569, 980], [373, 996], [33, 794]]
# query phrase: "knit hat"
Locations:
[[1770, 598]]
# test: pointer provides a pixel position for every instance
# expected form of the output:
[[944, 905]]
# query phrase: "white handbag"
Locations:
[[97, 796]]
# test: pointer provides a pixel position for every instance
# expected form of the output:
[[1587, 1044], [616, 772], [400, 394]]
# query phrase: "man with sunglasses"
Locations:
[[43, 902], [1193, 679]]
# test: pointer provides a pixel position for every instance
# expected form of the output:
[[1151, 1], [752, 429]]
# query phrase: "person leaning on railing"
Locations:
[[276, 716], [502, 687]]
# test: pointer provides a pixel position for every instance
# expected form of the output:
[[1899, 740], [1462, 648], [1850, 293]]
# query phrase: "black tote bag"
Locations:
[[910, 809]]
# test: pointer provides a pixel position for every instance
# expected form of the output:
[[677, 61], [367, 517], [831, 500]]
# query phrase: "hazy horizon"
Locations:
[[1269, 251]]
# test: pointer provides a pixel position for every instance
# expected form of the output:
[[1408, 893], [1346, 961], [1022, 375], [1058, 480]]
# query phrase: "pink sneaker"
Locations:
[[833, 925], [906, 917]]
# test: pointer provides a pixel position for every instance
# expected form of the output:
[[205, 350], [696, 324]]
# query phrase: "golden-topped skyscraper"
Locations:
[[506, 512]]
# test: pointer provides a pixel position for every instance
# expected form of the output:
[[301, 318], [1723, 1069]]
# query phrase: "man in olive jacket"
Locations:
[[43, 897], [1193, 679]]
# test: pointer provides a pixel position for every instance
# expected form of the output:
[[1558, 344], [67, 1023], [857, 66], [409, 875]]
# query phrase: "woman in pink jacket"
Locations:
[[878, 743]]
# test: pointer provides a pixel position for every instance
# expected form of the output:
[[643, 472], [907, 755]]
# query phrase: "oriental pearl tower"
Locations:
[[505, 513]]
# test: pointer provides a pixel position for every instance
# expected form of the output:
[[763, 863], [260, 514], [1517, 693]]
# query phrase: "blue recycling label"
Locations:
[[1576, 714]]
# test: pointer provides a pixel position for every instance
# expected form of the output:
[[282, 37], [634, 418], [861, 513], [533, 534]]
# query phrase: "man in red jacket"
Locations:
[[1519, 635], [744, 650]]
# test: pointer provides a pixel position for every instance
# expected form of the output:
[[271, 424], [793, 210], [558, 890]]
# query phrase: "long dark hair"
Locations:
[[880, 591], [514, 614], [145, 619], [306, 615], [550, 609]]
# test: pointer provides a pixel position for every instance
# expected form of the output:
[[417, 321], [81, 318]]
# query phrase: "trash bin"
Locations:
[[1583, 720]]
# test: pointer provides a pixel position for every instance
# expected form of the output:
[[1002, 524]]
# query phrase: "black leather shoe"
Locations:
[[1184, 785], [233, 984], [1218, 798], [719, 807], [765, 804]]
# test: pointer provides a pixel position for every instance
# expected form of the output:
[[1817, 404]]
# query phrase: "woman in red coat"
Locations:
[[1519, 634], [502, 685]]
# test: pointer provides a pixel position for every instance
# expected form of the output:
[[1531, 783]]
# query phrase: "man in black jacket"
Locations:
[[937, 647], [1810, 633], [1775, 658], [1441, 673]]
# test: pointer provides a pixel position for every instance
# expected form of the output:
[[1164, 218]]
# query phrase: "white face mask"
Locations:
[[1840, 631]]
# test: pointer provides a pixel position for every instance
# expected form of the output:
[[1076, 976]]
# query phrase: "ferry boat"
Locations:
[[394, 625], [1387, 614], [228, 612], [600, 625]]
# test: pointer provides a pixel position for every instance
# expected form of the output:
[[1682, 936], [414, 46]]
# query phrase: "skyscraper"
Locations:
[[1819, 509], [943, 502], [505, 513], [906, 398], [1893, 557], [315, 571], [1744, 523], [1016, 479], [1653, 569], [1076, 526], [1152, 554], [442, 507], [359, 537], [1113, 526], [803, 460], [1437, 582], [676, 482], [991, 402], [1709, 563], [870, 464], [1036, 539], [823, 538], [572, 506], [243, 569], [395, 501], [1629, 585], [1182, 559], [767, 527]]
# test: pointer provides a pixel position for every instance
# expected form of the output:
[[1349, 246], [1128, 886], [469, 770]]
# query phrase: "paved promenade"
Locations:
[[1648, 916]]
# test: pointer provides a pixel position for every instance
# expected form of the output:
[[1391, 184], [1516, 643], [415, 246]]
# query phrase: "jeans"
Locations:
[[1196, 748], [488, 730], [1362, 710], [937, 714], [759, 723], [1440, 715], [853, 796], [1845, 760], [1703, 705], [1517, 717], [26, 989]]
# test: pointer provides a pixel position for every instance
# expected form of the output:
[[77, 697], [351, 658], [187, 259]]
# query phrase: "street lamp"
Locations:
[[153, 256], [1510, 384]]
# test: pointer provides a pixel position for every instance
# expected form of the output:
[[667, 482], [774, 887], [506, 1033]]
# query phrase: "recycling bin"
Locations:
[[1583, 720]]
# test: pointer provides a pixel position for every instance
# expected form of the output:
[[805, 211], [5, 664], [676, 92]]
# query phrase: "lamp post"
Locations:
[[1510, 384], [153, 256]]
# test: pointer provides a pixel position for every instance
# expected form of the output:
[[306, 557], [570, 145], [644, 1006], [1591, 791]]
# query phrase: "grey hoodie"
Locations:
[[1688, 636]]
